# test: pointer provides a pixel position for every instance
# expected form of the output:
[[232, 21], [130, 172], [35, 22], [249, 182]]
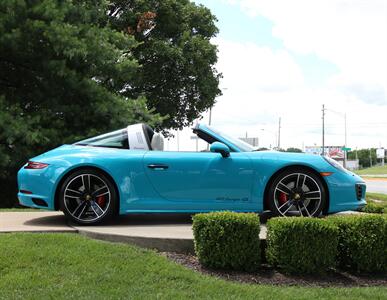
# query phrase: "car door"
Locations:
[[200, 180]]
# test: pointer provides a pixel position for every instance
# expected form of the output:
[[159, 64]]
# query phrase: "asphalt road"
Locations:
[[376, 186]]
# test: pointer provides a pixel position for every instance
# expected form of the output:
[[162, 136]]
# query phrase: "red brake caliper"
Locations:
[[101, 201], [282, 198]]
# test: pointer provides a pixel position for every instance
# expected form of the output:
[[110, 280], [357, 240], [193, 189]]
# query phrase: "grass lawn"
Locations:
[[379, 170], [41, 266], [376, 196]]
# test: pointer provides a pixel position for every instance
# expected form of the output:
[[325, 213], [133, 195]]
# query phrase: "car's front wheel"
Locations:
[[297, 192], [88, 197]]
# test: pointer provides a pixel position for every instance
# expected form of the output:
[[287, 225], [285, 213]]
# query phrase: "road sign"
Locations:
[[380, 153], [346, 149]]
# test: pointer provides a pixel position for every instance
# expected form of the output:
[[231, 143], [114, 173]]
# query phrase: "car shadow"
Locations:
[[47, 221], [150, 219]]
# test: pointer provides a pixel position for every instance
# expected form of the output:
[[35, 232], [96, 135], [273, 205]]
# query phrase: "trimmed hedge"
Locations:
[[362, 242], [374, 208], [301, 245], [227, 240]]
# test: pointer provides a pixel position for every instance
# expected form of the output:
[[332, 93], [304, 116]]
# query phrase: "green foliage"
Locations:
[[374, 208], [64, 74], [177, 74], [294, 150], [226, 240], [301, 245], [364, 157], [362, 242]]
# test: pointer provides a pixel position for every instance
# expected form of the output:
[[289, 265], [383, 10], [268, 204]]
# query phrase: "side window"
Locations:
[[116, 139]]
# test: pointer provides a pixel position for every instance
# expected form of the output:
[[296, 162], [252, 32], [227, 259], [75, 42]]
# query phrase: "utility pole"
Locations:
[[178, 140], [370, 159], [279, 133], [345, 139], [323, 130], [209, 121]]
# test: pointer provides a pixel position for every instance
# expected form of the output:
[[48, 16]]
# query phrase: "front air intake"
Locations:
[[359, 188]]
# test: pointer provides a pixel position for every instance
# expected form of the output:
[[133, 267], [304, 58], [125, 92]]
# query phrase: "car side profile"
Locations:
[[127, 171]]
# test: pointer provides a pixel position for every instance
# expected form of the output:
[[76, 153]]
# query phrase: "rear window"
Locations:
[[115, 139]]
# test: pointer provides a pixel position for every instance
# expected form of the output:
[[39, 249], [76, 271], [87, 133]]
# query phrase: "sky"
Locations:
[[285, 59]]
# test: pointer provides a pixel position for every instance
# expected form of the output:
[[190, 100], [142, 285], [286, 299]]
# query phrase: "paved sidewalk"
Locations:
[[34, 222], [165, 232]]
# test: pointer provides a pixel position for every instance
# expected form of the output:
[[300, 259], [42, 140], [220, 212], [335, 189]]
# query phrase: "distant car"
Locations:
[[127, 171]]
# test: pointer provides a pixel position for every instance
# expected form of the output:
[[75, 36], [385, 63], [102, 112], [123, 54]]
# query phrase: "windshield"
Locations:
[[115, 139], [243, 146]]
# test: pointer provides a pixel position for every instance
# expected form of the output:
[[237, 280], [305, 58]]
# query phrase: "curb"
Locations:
[[185, 246]]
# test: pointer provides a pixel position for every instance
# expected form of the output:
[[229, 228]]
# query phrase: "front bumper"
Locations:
[[347, 191]]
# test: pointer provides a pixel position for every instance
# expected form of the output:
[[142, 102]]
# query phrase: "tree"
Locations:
[[177, 74], [294, 150], [364, 157], [64, 73]]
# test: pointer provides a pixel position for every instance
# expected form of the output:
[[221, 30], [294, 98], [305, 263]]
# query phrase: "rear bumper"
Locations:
[[36, 188]]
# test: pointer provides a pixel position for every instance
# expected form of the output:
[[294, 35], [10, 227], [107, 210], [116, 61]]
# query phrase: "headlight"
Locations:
[[335, 164]]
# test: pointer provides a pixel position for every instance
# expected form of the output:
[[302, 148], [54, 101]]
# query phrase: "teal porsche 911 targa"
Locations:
[[127, 171]]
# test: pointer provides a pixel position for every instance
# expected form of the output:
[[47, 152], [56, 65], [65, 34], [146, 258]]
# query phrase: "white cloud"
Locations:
[[261, 84], [352, 34]]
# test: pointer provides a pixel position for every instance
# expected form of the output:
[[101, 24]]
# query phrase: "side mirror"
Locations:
[[220, 148]]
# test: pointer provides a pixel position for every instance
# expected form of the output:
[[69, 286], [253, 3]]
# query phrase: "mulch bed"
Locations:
[[268, 275]]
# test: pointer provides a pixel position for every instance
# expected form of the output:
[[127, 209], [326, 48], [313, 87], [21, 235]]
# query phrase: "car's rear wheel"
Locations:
[[88, 196], [297, 192]]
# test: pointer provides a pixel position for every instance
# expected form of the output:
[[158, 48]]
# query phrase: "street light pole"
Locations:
[[345, 140], [323, 130], [279, 133]]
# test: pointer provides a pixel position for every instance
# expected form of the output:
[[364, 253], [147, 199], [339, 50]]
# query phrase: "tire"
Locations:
[[88, 197], [297, 192]]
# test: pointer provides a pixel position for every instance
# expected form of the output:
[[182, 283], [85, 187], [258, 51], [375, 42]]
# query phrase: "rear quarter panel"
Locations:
[[124, 166]]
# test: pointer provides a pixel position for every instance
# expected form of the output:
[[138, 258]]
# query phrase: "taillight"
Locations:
[[35, 165]]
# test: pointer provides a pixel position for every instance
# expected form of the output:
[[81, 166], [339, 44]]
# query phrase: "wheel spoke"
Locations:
[[96, 206], [80, 195], [303, 194], [298, 180], [306, 209], [102, 194], [81, 207], [86, 182], [74, 197], [284, 213], [312, 192], [303, 182], [299, 209], [287, 204], [74, 192], [99, 190], [283, 188]]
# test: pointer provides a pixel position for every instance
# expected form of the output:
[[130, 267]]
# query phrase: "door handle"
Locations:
[[158, 166]]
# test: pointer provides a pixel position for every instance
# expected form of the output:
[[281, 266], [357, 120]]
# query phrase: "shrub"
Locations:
[[227, 240], [301, 245], [362, 242], [374, 208]]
